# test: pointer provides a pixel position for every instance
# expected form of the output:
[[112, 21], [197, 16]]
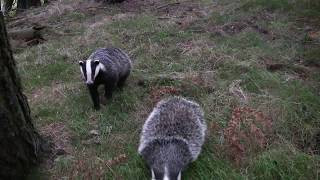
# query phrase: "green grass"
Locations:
[[209, 166], [159, 47], [284, 164]]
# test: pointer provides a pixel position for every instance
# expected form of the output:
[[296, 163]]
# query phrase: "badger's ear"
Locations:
[[81, 63], [97, 61]]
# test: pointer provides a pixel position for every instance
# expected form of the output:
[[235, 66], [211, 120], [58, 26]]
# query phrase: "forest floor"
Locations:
[[253, 65]]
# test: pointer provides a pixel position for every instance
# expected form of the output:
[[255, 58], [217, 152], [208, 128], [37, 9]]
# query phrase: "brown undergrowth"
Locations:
[[158, 93], [247, 132]]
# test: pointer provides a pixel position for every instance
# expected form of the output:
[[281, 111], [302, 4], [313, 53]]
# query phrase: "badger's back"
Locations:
[[175, 118], [113, 59]]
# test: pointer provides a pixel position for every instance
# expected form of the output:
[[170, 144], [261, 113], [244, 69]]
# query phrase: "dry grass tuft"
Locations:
[[236, 90], [194, 48], [117, 160]]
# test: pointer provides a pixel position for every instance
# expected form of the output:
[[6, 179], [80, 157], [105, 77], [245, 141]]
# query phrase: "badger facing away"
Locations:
[[172, 137], [107, 66]]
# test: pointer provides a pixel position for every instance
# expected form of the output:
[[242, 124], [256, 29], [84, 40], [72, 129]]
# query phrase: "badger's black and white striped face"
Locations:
[[166, 175], [90, 70]]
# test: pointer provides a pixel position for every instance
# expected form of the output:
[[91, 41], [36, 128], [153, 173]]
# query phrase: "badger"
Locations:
[[106, 66], [172, 137]]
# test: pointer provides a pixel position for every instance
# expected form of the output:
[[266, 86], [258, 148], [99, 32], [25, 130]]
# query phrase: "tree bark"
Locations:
[[25, 4], [35, 3], [22, 4], [20, 143]]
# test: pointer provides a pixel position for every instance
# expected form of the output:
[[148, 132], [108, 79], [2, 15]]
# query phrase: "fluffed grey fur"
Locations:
[[173, 135]]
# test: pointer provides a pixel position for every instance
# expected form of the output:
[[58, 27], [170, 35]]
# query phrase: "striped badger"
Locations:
[[172, 137], [107, 66]]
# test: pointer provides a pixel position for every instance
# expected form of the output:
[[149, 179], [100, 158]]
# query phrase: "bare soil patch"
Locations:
[[58, 134]]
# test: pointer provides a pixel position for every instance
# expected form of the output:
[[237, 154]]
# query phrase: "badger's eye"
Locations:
[[96, 62], [80, 63]]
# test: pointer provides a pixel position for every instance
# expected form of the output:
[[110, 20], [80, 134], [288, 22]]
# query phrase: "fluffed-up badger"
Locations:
[[172, 137]]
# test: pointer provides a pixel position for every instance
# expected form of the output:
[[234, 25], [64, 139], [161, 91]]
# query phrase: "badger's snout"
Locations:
[[89, 82]]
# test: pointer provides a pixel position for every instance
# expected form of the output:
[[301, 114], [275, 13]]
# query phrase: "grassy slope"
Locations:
[[56, 93]]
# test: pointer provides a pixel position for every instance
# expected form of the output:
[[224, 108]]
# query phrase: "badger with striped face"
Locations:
[[172, 137], [90, 70], [106, 66]]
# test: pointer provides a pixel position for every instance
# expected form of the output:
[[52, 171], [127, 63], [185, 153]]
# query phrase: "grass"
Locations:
[[209, 63], [284, 164]]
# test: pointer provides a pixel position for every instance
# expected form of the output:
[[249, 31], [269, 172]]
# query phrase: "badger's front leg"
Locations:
[[110, 86], [95, 96]]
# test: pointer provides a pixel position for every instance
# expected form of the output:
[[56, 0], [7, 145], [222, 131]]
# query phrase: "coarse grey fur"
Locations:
[[172, 136], [113, 67]]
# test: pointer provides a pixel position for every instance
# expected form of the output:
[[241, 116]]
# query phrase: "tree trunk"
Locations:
[[25, 4], [35, 3], [20, 144]]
